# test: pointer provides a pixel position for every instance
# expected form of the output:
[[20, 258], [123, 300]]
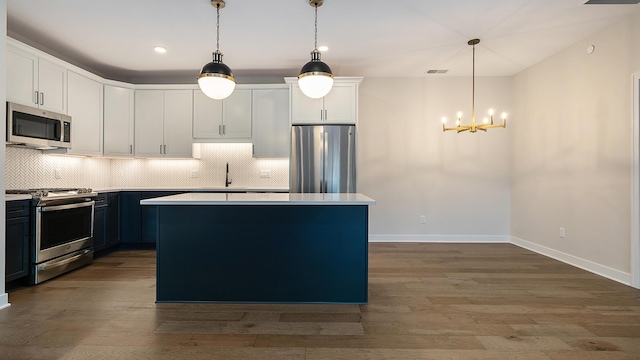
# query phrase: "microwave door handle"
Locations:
[[57, 131]]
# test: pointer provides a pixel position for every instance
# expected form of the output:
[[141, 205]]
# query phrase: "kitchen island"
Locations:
[[262, 247]]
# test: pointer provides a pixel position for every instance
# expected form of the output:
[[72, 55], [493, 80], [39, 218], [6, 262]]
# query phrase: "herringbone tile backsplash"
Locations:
[[28, 168]]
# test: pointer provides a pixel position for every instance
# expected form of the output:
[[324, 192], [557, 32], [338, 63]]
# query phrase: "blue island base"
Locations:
[[262, 253]]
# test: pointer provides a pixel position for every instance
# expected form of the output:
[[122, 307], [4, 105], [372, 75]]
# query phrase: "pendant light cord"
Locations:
[[218, 28], [316, 28]]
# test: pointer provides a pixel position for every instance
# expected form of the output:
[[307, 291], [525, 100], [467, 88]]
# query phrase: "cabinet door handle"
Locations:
[[41, 98], [224, 129], [160, 148], [131, 149], [326, 116], [219, 129], [253, 151], [37, 98], [165, 149], [321, 114]]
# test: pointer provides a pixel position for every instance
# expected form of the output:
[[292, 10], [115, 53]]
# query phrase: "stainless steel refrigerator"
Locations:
[[323, 159]]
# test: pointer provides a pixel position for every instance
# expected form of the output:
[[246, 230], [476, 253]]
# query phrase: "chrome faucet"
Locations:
[[227, 180]]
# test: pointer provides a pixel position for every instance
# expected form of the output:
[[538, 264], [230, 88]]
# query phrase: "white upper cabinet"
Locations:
[[86, 111], [36, 82], [271, 131], [227, 120], [178, 116], [340, 106], [118, 121], [163, 121]]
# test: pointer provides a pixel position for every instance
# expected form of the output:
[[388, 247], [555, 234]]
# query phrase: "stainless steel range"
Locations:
[[62, 230]]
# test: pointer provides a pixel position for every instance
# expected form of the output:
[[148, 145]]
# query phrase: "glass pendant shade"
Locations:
[[315, 79], [216, 79]]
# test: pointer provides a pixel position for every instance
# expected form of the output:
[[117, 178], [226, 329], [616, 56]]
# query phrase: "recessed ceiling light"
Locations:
[[323, 48], [160, 49]]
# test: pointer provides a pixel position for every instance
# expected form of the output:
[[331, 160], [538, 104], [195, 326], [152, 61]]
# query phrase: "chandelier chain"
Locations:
[[473, 85], [218, 27]]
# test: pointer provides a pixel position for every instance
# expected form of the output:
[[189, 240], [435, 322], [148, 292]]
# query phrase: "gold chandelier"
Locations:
[[487, 122]]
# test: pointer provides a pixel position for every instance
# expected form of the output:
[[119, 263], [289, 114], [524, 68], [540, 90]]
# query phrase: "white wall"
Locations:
[[4, 301], [460, 182], [571, 152]]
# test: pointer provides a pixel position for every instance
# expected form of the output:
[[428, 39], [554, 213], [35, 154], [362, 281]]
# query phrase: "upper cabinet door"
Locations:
[[270, 122], [85, 109], [340, 104], [236, 115], [178, 117], [149, 119], [305, 110], [118, 121], [207, 116], [22, 77], [52, 83]]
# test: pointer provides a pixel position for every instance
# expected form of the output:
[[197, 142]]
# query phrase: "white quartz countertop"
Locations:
[[203, 198], [199, 188]]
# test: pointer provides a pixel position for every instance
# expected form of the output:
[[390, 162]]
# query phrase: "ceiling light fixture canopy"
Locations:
[[216, 79], [315, 79], [473, 127]]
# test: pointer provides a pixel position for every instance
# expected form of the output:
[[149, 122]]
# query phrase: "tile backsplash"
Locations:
[[28, 168]]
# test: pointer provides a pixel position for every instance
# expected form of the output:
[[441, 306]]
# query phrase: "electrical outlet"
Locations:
[[57, 173], [265, 174], [194, 173], [423, 219], [562, 232]]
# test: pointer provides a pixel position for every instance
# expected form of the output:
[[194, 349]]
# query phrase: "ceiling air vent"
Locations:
[[439, 71], [612, 2]]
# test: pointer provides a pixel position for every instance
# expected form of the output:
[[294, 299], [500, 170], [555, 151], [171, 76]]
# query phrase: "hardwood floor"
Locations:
[[427, 301]]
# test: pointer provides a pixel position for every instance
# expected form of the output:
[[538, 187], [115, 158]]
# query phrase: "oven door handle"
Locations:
[[65, 207], [62, 262]]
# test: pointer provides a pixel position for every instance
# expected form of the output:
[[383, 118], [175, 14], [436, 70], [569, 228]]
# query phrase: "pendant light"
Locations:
[[216, 79], [315, 79]]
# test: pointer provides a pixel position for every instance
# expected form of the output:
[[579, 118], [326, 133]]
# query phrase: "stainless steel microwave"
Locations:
[[37, 128]]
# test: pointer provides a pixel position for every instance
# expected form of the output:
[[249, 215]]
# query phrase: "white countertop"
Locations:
[[203, 198], [199, 188]]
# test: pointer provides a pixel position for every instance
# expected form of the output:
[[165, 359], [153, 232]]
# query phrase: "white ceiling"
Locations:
[[115, 38]]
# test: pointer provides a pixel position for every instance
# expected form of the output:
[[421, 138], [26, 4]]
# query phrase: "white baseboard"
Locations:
[[440, 238], [4, 301], [581, 263]]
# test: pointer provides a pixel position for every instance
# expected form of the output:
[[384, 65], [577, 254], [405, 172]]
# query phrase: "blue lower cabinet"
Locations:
[[17, 235], [129, 217], [113, 219], [138, 224], [106, 221]]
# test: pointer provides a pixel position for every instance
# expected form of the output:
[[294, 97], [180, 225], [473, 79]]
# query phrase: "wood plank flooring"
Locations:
[[427, 301]]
